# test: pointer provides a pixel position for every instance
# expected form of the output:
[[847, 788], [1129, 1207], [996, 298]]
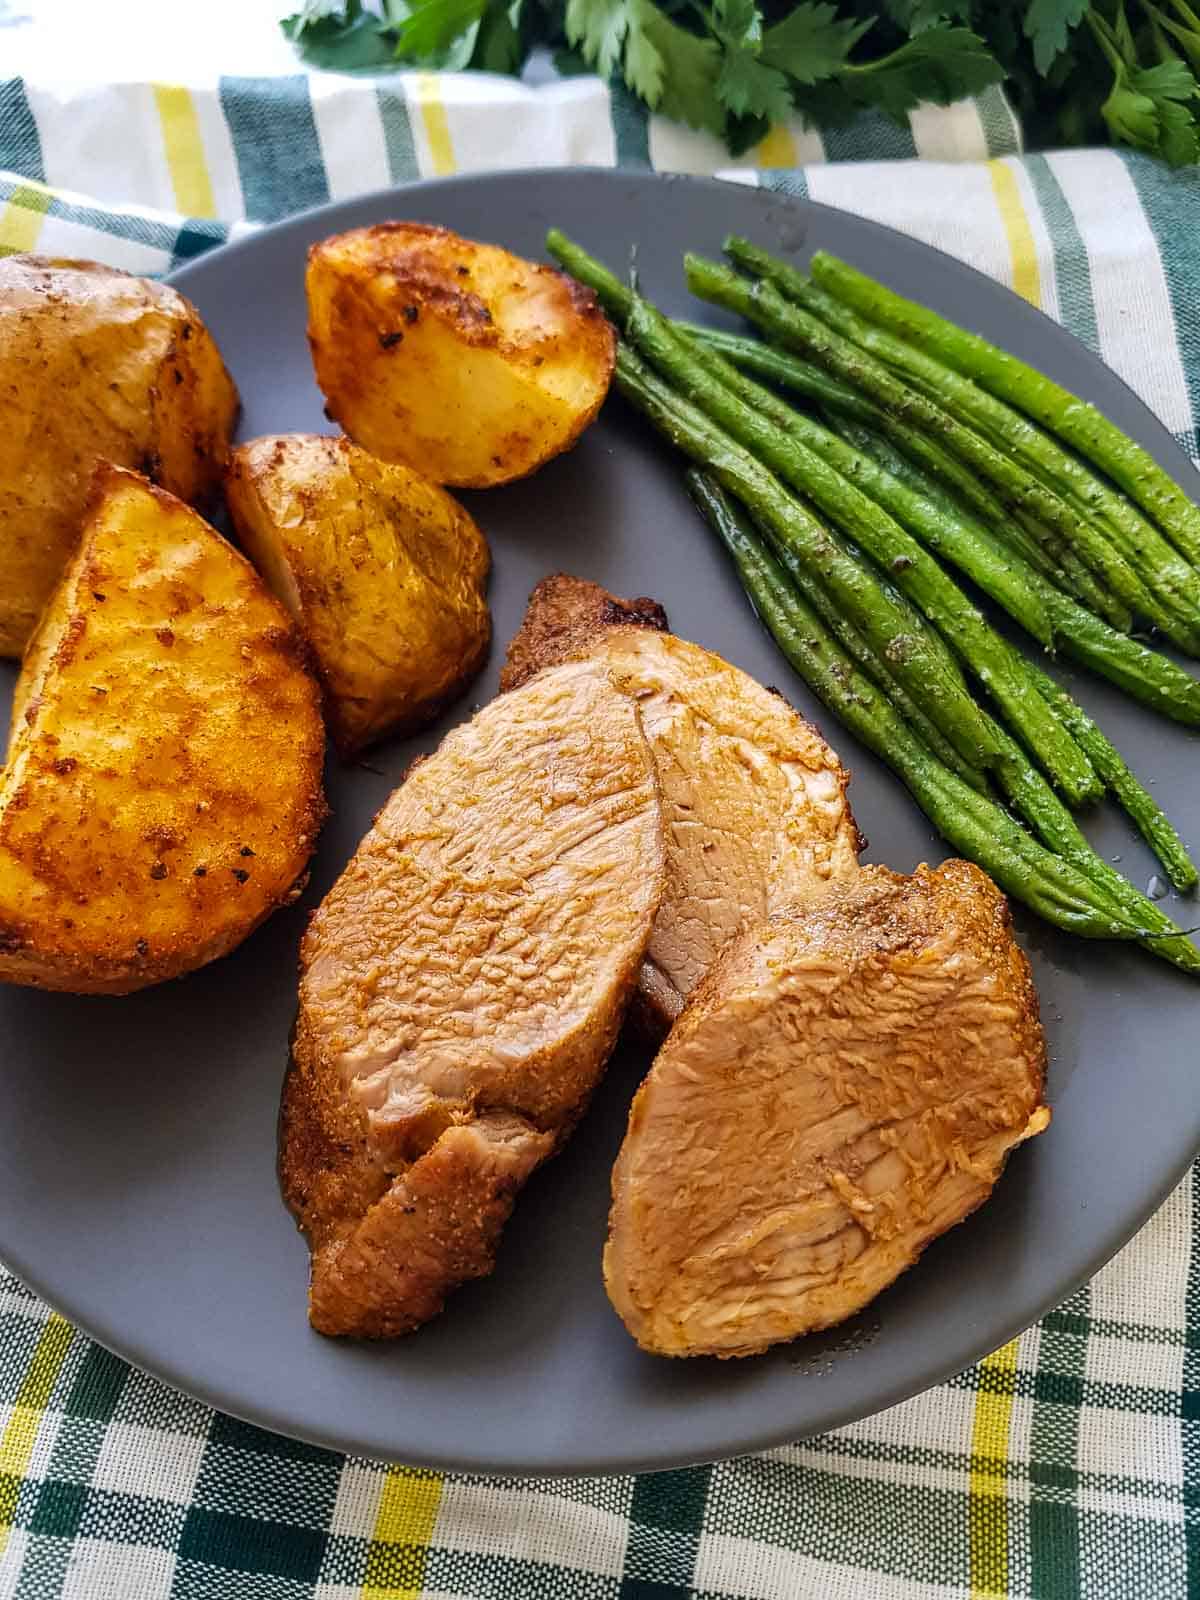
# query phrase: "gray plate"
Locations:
[[137, 1178]]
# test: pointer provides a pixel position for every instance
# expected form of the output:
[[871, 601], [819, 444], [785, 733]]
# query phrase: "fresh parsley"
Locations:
[[1075, 70]]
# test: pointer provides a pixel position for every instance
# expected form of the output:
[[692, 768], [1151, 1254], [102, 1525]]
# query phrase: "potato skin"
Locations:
[[94, 364], [460, 359], [384, 572], [162, 793]]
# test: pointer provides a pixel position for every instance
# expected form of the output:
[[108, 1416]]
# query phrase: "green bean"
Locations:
[[782, 367], [1139, 804], [1074, 420], [1104, 756], [762, 303], [990, 657], [917, 657], [921, 462], [857, 648], [1165, 573], [1150, 677], [1154, 826], [974, 825], [1042, 548], [1058, 561], [1052, 617], [1034, 799]]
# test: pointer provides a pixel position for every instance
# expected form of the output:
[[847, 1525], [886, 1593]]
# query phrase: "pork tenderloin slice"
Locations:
[[475, 958], [845, 1085], [754, 801], [435, 1227]]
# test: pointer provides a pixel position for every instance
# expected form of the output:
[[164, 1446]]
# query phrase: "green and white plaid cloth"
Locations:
[[1066, 1464]]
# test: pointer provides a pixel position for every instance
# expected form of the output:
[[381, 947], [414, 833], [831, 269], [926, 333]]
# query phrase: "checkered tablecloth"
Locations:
[[1067, 1463]]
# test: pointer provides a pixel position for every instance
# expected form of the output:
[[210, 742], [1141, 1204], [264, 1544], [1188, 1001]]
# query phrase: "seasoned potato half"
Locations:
[[468, 363], [383, 570], [162, 792], [94, 364]]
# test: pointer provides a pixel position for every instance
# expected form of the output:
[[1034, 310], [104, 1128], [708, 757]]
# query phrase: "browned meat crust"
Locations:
[[435, 1228], [562, 618]]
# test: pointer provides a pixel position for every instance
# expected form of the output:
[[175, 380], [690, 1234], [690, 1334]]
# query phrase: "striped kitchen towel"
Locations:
[[1066, 1464]]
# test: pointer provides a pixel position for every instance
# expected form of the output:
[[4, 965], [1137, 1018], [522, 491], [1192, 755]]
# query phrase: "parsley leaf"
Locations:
[[338, 36], [811, 43], [916, 16], [1048, 27], [732, 67], [645, 68], [1170, 80], [500, 46], [598, 28], [941, 65], [737, 22], [1179, 139], [1148, 107], [435, 26], [688, 68], [749, 89]]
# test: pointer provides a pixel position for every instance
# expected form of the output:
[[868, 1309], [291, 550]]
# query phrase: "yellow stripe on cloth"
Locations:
[[408, 1509], [22, 218], [184, 145], [437, 128], [1022, 249], [778, 149], [20, 1433], [989, 1461]]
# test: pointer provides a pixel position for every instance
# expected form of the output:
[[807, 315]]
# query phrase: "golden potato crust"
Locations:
[[383, 570], [162, 793], [461, 359], [94, 364]]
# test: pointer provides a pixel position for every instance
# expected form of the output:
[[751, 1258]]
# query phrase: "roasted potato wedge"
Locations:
[[460, 359], [162, 792], [94, 364], [383, 570]]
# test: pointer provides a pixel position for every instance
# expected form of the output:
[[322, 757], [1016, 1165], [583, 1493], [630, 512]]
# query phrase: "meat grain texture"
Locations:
[[462, 986], [845, 1085], [755, 813]]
